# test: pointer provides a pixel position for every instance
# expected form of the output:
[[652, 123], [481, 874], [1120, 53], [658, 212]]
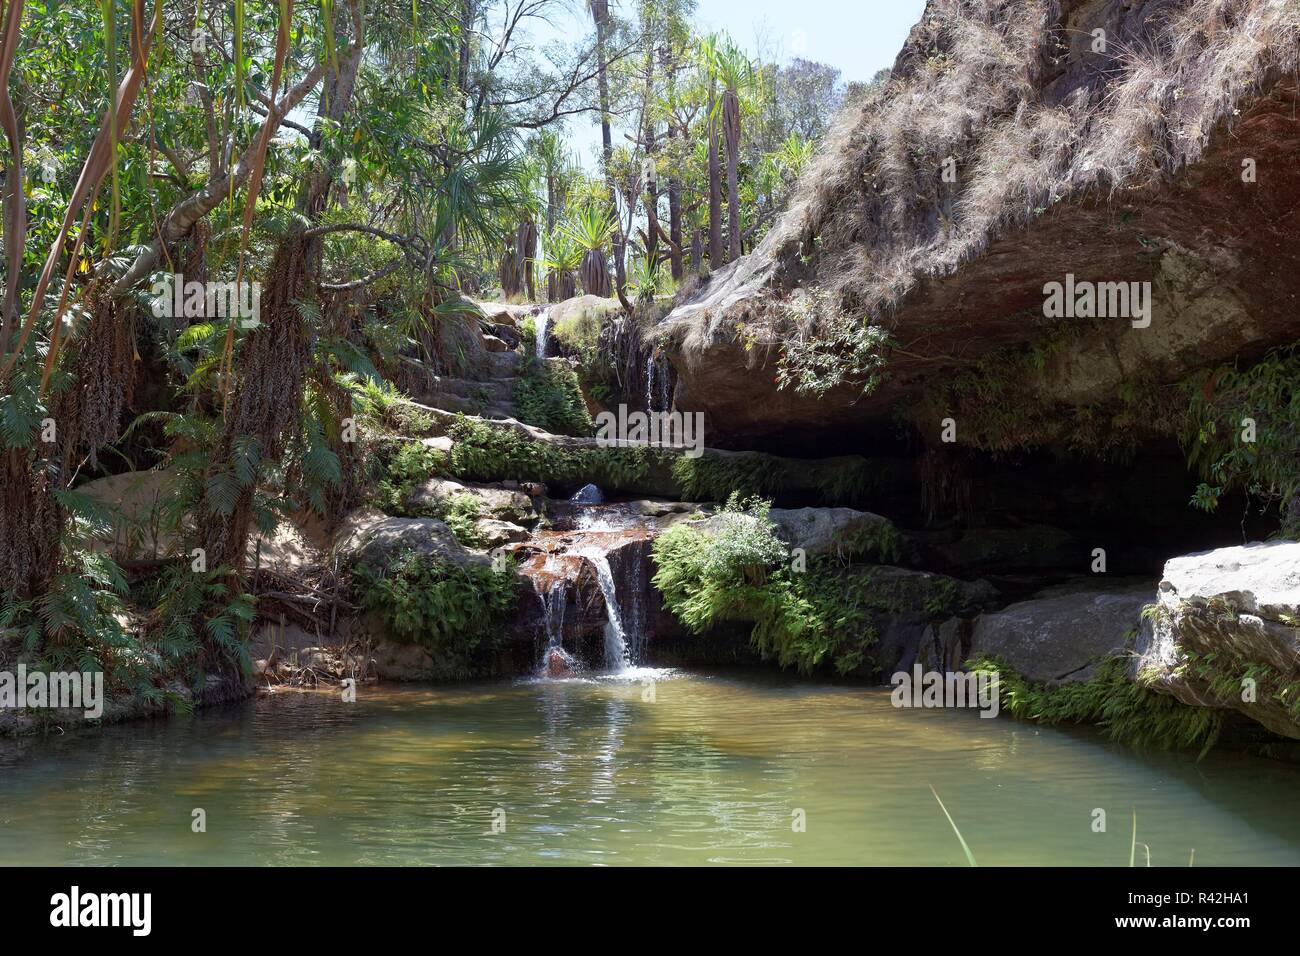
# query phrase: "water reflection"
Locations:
[[705, 770]]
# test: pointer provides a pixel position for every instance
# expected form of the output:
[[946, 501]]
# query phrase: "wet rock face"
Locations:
[[919, 616], [1057, 640], [561, 595], [1224, 619]]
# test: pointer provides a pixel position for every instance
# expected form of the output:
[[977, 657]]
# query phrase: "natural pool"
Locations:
[[714, 769]]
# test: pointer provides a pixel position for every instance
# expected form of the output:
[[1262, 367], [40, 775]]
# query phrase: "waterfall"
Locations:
[[658, 382], [650, 383], [618, 653], [543, 332], [556, 661], [553, 601]]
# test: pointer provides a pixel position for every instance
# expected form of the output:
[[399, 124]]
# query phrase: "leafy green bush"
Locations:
[[383, 408], [403, 469], [461, 513], [741, 572], [1129, 712], [829, 349], [456, 612]]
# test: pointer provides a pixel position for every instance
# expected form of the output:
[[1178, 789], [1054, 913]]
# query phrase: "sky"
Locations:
[[858, 37]]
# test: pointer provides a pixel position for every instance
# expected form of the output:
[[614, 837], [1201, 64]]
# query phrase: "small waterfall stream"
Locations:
[[658, 382], [599, 541], [543, 332], [618, 653]]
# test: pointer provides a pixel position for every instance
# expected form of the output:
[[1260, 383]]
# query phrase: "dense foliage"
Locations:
[[364, 167], [456, 612], [738, 570], [1125, 709], [548, 395], [1242, 433]]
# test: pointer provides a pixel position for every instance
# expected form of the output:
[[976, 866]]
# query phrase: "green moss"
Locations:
[[482, 452], [548, 396], [713, 477], [457, 613], [716, 477], [1128, 711], [487, 452]]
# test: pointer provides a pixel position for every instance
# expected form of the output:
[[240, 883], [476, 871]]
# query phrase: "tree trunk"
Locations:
[[595, 273], [552, 280], [600, 14], [675, 217], [716, 258], [468, 14], [731, 128], [652, 183]]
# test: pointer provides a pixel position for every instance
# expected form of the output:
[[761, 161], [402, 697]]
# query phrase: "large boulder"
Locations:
[[842, 532], [1226, 633], [1004, 152], [1057, 640], [370, 537], [909, 608], [493, 533], [506, 313], [502, 504], [582, 309], [134, 502], [834, 531]]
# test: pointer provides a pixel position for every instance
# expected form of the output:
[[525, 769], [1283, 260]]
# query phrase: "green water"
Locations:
[[712, 770]]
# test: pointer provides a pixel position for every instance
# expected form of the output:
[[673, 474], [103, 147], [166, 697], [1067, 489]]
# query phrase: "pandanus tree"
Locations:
[[591, 228], [735, 73], [709, 52], [563, 258], [34, 468], [517, 270], [557, 171]]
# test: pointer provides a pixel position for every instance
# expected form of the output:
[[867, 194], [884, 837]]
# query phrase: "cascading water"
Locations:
[[543, 332], [556, 661], [658, 383], [553, 601], [618, 651]]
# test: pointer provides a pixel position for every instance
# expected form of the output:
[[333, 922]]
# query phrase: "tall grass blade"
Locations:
[[970, 857]]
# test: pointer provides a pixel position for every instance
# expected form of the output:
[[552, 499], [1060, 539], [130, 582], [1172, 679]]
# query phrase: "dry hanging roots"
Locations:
[[88, 414], [265, 407], [30, 523]]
